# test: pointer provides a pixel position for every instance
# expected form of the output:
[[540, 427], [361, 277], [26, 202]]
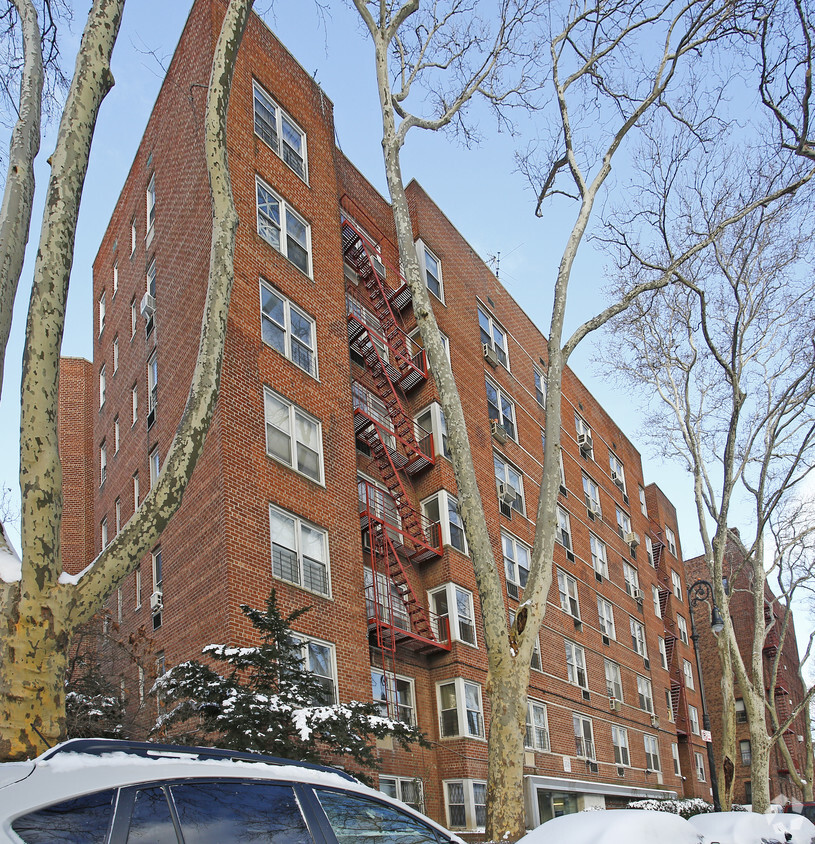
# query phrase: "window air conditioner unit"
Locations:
[[620, 771], [490, 355], [148, 305], [506, 493], [593, 767], [157, 601], [378, 266], [616, 479], [584, 442], [632, 539], [614, 704], [638, 595], [655, 720], [498, 431], [512, 590], [594, 508]]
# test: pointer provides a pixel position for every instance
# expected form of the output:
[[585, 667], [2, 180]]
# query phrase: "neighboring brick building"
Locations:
[[789, 688], [324, 472]]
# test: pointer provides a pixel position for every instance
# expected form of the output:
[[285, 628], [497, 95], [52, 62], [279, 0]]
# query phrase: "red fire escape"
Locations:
[[401, 449]]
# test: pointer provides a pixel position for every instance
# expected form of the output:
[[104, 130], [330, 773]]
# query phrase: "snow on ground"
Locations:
[[752, 828], [632, 826]]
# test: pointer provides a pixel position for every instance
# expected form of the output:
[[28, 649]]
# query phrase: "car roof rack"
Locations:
[[154, 750]]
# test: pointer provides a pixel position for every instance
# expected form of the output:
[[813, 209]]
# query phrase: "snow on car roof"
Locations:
[[752, 828]]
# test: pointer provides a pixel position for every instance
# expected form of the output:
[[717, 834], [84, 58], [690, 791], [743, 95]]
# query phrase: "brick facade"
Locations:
[[218, 552]]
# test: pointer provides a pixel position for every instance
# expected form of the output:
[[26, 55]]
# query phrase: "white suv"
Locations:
[[89, 791]]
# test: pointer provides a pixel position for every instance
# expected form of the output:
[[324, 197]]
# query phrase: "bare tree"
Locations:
[[607, 68], [43, 607]]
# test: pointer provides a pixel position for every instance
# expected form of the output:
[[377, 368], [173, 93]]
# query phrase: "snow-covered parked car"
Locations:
[[615, 826], [752, 828], [88, 791]]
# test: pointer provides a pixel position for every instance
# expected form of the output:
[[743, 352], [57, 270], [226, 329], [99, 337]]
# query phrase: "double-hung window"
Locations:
[[299, 552], [293, 436], [699, 759], [460, 709], [638, 638], [623, 523], [103, 463], [576, 665], [508, 480], [617, 471], [103, 381], [537, 726], [651, 753], [283, 228], [431, 420], [453, 606], [102, 312], [394, 696], [675, 757], [670, 539], [152, 388], [279, 131], [746, 750], [599, 556], [567, 586], [151, 205], [540, 386], [516, 564], [288, 329], [605, 618], [643, 505], [676, 585], [655, 599], [645, 694], [619, 739], [319, 659], [682, 626], [585, 442], [583, 736], [663, 653], [649, 550], [687, 670], [591, 494], [407, 789], [614, 683], [632, 580], [442, 509], [493, 336], [693, 715], [431, 270], [155, 466], [466, 802], [501, 409], [564, 529], [115, 354]]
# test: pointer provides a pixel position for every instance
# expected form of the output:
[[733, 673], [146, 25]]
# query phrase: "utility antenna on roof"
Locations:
[[495, 261]]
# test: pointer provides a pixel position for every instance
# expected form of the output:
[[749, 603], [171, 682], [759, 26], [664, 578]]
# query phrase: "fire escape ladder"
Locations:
[[664, 596]]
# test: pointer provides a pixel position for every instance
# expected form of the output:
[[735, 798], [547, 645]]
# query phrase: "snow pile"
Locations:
[[632, 826], [11, 567], [685, 807], [752, 828]]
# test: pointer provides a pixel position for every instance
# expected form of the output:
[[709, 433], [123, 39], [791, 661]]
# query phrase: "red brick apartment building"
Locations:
[[789, 688], [324, 473]]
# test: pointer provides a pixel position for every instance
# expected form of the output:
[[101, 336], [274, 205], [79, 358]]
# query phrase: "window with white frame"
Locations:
[[599, 555], [319, 659], [576, 665], [663, 653], [676, 585], [299, 551], [619, 739], [466, 802], [509, 479], [158, 570], [453, 605], [118, 512], [460, 709], [431, 419], [134, 318], [394, 696], [591, 495], [699, 759], [645, 695], [134, 404], [567, 586], [564, 529], [675, 757], [655, 599], [649, 550], [494, 336], [442, 509], [152, 387], [115, 278], [516, 564], [617, 471], [669, 705], [293, 437], [693, 716], [115, 355], [623, 523], [136, 499], [583, 736], [746, 751], [279, 131], [288, 329], [431, 270], [585, 441], [638, 638], [385, 599], [103, 463], [102, 312], [117, 437], [103, 383], [540, 386], [103, 533], [741, 712], [407, 789], [614, 683], [151, 289], [682, 626], [155, 466], [537, 726], [137, 589], [651, 753], [283, 228], [605, 617], [687, 670], [501, 409], [670, 539], [632, 579], [643, 505], [132, 237]]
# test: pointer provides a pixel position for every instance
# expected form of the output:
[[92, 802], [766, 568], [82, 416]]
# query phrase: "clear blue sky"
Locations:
[[478, 189]]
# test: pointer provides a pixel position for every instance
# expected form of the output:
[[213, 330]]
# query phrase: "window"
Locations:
[[283, 228], [699, 759], [516, 564], [454, 605], [460, 709], [299, 552], [537, 726], [649, 550], [645, 694], [77, 819], [655, 598], [137, 588], [614, 683], [136, 491], [431, 270], [540, 386], [319, 659], [509, 479], [151, 204], [617, 471], [151, 290], [687, 670], [651, 753], [693, 714], [387, 600], [746, 751], [132, 237], [118, 511], [671, 540], [599, 557], [278, 130], [567, 586], [155, 467], [623, 523], [394, 695], [591, 494], [406, 789], [576, 665], [442, 509], [643, 505], [103, 463], [288, 329], [663, 653], [102, 310], [741, 712], [632, 580], [564, 529], [675, 757], [134, 318], [115, 278], [134, 404], [493, 336], [102, 386], [638, 638], [683, 628], [501, 409], [431, 420], [158, 574], [605, 617], [293, 436], [583, 736], [676, 585], [103, 531], [619, 738], [115, 355], [466, 804], [748, 787], [669, 705], [152, 388], [584, 439]]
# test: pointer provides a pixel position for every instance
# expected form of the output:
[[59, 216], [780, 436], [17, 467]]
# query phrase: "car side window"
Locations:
[[354, 819], [151, 821], [81, 820], [249, 812]]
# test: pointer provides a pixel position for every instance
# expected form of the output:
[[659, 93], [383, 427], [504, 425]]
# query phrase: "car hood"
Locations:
[[11, 772]]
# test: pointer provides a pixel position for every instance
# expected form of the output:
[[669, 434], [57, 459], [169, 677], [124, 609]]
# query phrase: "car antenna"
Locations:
[[44, 739]]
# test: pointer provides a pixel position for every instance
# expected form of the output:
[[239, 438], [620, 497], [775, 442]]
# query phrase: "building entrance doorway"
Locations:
[[553, 804]]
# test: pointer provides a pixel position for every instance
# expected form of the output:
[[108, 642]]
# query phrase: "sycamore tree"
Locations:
[[265, 700], [601, 70], [41, 607]]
